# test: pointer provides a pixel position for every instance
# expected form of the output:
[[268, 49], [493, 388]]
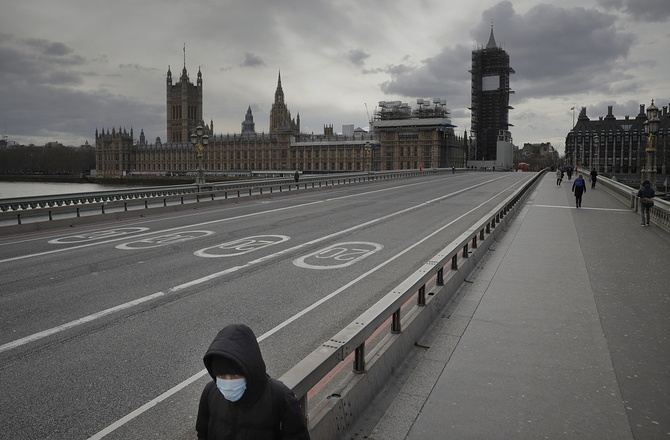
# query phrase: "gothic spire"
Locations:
[[492, 41], [279, 94], [184, 73]]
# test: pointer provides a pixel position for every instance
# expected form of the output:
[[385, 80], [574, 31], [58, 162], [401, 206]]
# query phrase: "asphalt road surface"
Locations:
[[103, 327]]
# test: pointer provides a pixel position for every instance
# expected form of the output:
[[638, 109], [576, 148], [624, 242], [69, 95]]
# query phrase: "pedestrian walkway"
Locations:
[[563, 332]]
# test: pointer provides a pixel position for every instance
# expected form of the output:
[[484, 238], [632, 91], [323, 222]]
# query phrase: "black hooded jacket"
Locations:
[[267, 410]]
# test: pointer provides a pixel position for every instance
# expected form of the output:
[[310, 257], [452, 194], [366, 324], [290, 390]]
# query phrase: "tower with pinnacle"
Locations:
[[490, 98], [280, 117], [184, 106]]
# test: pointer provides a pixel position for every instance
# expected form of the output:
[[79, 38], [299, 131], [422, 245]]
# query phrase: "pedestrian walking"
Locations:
[[579, 188], [559, 177], [646, 195], [594, 177], [569, 172], [242, 401]]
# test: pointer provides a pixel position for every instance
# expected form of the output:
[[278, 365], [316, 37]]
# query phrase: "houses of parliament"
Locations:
[[400, 137]]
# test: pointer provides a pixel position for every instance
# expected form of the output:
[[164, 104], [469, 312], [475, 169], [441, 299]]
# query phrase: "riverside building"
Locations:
[[617, 146], [406, 140]]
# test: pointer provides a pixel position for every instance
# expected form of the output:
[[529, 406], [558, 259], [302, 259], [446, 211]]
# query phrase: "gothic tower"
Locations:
[[490, 98], [280, 117], [184, 106], [248, 126]]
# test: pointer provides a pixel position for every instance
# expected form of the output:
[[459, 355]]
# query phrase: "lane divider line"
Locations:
[[127, 305], [142, 409]]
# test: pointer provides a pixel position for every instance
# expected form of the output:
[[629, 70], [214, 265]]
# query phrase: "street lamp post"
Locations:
[[199, 141], [593, 138], [579, 163], [596, 146], [368, 150], [651, 126]]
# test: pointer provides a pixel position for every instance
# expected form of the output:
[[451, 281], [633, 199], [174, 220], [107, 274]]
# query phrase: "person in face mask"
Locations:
[[242, 401]]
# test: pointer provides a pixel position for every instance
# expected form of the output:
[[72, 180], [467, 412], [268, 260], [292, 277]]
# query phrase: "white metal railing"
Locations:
[[47, 208]]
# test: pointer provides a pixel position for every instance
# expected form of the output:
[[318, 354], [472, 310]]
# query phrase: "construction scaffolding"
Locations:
[[490, 98]]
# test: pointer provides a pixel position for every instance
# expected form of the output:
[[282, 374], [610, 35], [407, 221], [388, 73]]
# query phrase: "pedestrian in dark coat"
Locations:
[[594, 177], [646, 195], [579, 188], [242, 402]]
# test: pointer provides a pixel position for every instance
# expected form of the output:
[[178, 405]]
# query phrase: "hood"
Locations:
[[238, 343]]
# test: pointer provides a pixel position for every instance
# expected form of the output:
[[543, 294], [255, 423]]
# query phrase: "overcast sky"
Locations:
[[68, 67]]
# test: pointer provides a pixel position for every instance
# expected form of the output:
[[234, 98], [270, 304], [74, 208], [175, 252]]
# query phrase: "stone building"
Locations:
[[184, 106], [616, 146], [417, 138], [423, 138]]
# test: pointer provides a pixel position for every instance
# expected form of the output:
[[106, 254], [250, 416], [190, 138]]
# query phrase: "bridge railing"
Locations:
[[331, 395], [20, 210], [660, 212]]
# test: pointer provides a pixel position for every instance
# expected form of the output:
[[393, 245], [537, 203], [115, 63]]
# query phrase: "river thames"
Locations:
[[10, 190]]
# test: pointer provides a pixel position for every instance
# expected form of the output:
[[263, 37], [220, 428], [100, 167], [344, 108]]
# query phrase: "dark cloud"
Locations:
[[37, 61], [38, 88], [443, 76], [550, 42], [53, 77], [251, 60], [357, 57], [47, 47], [35, 108], [640, 10], [555, 52], [138, 67]]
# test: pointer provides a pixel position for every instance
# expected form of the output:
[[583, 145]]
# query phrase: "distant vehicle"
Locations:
[[523, 166]]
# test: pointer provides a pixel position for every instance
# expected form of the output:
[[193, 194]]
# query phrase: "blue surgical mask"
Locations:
[[232, 389]]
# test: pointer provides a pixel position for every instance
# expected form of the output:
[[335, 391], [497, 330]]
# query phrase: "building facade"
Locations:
[[489, 99], [184, 106], [617, 146], [417, 138], [414, 139]]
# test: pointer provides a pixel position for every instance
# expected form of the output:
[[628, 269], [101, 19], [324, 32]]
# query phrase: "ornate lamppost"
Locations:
[[651, 126], [593, 136], [368, 150], [596, 146], [199, 141]]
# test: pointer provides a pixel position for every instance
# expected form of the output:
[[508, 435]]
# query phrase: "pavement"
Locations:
[[563, 331]]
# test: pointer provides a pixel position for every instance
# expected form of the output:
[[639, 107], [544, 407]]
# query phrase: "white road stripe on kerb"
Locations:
[[147, 406], [582, 207]]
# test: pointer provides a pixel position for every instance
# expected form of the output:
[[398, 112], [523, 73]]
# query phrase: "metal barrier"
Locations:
[[90, 204], [660, 212], [401, 316]]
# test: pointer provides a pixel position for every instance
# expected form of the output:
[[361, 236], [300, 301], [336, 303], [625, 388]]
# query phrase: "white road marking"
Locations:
[[75, 323], [241, 246], [339, 255], [142, 409], [180, 287], [163, 240], [88, 237], [583, 207]]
